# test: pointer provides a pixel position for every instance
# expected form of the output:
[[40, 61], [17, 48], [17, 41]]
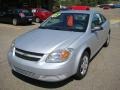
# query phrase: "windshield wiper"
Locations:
[[54, 28], [62, 29]]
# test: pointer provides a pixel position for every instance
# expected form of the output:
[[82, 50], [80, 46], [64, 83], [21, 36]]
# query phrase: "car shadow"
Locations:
[[26, 24], [42, 83]]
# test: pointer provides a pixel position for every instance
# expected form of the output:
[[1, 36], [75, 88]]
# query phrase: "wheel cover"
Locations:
[[108, 39], [37, 20], [14, 21], [84, 65]]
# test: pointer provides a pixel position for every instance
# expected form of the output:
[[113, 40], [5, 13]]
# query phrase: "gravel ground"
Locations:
[[110, 13]]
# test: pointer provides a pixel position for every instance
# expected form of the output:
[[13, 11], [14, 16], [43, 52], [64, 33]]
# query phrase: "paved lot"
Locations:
[[103, 74]]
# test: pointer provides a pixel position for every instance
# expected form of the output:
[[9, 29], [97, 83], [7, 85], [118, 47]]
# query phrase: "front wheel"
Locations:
[[15, 21], [83, 66]]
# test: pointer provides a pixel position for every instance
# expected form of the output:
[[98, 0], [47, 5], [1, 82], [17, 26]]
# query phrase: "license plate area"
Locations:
[[30, 19], [24, 72]]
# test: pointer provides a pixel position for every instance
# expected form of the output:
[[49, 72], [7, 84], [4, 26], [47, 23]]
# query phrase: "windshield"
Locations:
[[77, 22], [25, 11]]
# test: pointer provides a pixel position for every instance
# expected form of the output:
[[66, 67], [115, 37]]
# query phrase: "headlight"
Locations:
[[59, 56], [12, 46]]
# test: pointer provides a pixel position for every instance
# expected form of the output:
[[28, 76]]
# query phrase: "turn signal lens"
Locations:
[[64, 55]]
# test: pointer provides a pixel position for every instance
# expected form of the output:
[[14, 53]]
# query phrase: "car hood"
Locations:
[[45, 41]]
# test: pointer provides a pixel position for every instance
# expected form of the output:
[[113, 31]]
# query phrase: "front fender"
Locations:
[[78, 56]]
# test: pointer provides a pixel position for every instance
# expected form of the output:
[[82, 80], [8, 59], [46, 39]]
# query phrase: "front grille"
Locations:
[[26, 55]]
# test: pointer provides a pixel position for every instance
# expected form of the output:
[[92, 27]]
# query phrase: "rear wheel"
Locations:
[[107, 41], [15, 21], [83, 66], [37, 20]]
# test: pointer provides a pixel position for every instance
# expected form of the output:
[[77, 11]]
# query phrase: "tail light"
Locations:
[[22, 15]]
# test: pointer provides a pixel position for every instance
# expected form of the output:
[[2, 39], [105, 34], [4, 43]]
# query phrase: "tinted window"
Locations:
[[25, 11], [67, 22]]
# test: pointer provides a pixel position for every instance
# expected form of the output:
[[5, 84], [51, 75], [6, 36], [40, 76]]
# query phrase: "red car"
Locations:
[[41, 14], [106, 7]]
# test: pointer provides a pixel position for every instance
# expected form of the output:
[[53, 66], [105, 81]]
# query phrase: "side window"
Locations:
[[103, 18], [95, 21], [100, 19]]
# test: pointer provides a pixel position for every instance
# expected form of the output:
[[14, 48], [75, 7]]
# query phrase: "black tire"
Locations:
[[15, 21], [80, 73], [106, 44]]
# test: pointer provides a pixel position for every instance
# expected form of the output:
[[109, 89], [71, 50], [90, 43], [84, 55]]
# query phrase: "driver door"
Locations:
[[98, 35]]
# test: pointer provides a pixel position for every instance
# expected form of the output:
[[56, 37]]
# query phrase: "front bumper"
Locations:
[[50, 72], [26, 19]]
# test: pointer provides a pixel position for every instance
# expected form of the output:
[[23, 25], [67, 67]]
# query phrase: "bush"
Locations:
[[92, 4]]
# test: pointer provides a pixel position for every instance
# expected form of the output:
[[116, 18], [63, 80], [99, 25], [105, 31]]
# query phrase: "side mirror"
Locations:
[[97, 28]]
